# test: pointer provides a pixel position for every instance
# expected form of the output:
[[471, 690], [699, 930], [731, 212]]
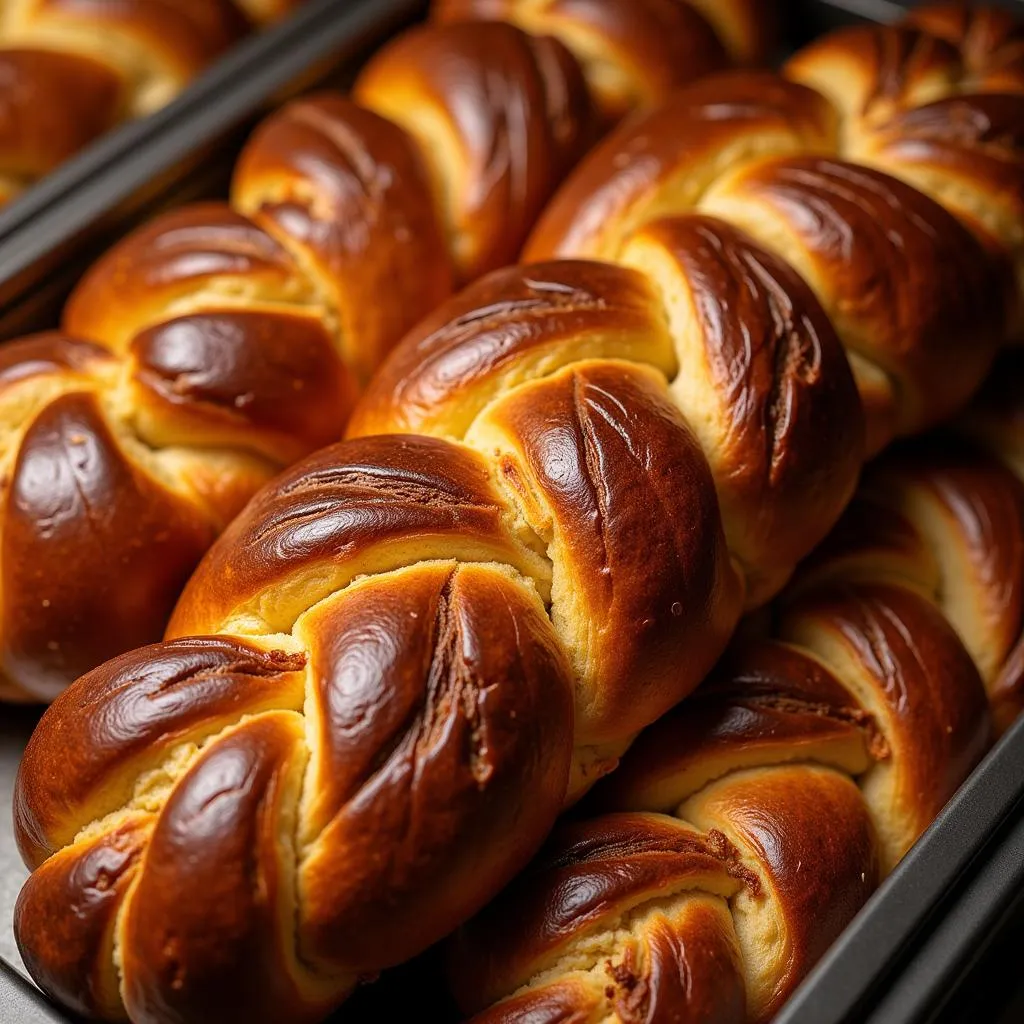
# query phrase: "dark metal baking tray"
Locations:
[[921, 940], [912, 946]]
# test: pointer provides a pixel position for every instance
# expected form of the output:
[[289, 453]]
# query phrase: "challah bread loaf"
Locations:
[[389, 695], [477, 624], [729, 197], [995, 422], [796, 172], [222, 341], [71, 69], [936, 102], [748, 825], [171, 958], [632, 51]]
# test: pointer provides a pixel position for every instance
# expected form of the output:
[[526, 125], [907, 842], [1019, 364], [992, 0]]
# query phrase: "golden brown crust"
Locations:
[[54, 104], [175, 37], [861, 703], [617, 906], [947, 519], [682, 966], [967, 151], [205, 250], [938, 102], [874, 682], [972, 514], [633, 52], [606, 470], [337, 186], [691, 969], [459, 626], [596, 461], [764, 379], [52, 352], [990, 40], [267, 382], [496, 332], [866, 719], [348, 510], [589, 877], [751, 30], [768, 702], [896, 97], [224, 826], [430, 768], [414, 714], [240, 334], [69, 955], [903, 281], [75, 493], [814, 878], [773, 402], [871, 72], [511, 145], [873, 541], [843, 253], [911, 671], [124, 719], [661, 163], [836, 222]]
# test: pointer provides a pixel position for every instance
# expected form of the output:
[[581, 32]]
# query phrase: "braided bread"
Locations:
[[632, 50], [407, 654], [729, 197], [221, 342], [750, 824], [72, 69]]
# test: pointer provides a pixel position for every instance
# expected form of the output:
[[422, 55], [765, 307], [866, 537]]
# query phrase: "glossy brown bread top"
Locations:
[[414, 712], [820, 748], [239, 334], [388, 717], [593, 423], [617, 440], [578, 410], [750, 212], [745, 309], [345, 577], [632, 50], [749, 193], [72, 69]]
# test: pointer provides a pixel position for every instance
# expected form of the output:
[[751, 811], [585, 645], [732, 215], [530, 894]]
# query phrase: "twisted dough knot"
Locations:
[[725, 200], [755, 819], [224, 341], [751, 823], [73, 68], [467, 629]]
